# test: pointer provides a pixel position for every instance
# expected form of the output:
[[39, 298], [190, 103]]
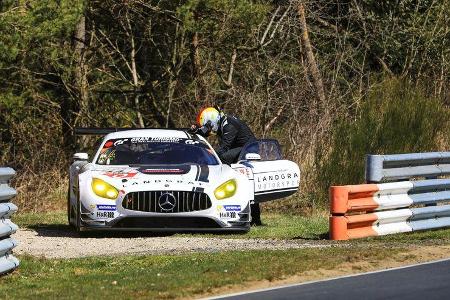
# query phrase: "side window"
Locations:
[[268, 149], [92, 151]]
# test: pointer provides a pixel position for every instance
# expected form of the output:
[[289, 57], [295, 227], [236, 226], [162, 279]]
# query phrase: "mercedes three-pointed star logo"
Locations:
[[167, 201]]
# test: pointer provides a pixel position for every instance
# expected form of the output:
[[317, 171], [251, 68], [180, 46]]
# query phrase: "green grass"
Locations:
[[167, 276], [283, 226], [276, 226], [30, 219], [429, 237]]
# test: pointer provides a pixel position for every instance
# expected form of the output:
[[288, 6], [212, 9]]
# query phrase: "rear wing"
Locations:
[[105, 131]]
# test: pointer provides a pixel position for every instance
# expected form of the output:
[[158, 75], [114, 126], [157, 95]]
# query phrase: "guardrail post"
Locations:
[[7, 261], [374, 168]]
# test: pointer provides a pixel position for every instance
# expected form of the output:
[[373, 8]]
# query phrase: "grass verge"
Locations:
[[170, 276]]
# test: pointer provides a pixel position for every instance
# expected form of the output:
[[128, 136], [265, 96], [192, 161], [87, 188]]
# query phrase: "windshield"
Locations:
[[155, 151]]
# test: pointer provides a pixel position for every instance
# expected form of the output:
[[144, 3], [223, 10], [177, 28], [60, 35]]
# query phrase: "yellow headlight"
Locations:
[[226, 190], [104, 189]]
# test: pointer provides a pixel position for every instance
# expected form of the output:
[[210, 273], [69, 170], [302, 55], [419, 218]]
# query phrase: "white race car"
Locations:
[[172, 180]]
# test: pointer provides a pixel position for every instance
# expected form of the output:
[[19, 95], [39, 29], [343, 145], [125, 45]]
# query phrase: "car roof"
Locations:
[[158, 133]]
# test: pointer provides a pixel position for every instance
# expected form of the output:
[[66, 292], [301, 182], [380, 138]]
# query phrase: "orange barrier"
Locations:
[[352, 227], [366, 210], [353, 198], [393, 207]]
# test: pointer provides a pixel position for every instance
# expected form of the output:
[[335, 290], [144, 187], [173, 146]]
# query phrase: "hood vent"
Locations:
[[166, 170]]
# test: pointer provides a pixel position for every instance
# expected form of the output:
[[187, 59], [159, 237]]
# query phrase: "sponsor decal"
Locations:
[[120, 142], [228, 211], [277, 177], [120, 174], [168, 181], [105, 214], [276, 181], [232, 207], [141, 140], [245, 172], [108, 207], [191, 142], [159, 171], [137, 140], [108, 144], [228, 215]]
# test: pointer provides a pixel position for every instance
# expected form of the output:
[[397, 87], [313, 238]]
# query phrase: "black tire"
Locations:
[[70, 211], [78, 214], [68, 207]]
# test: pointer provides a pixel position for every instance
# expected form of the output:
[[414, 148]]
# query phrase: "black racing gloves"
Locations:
[[203, 131]]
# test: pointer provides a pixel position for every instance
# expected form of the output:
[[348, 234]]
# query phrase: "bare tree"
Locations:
[[311, 60]]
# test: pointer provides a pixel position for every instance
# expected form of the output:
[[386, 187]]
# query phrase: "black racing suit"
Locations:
[[233, 134]]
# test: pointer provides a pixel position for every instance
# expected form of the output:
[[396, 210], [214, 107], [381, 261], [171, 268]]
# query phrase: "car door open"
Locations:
[[273, 177]]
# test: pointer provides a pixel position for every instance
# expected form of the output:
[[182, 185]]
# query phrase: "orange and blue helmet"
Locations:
[[209, 117]]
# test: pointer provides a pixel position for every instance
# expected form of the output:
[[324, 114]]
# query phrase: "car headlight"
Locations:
[[104, 189], [226, 189]]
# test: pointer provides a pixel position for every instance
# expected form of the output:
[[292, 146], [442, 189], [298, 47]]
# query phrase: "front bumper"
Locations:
[[167, 223]]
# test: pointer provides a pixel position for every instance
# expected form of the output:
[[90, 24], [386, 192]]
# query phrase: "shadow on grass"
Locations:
[[64, 230], [322, 236]]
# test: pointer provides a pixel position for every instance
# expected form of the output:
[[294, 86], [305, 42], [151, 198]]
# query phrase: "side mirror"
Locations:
[[252, 156], [80, 156]]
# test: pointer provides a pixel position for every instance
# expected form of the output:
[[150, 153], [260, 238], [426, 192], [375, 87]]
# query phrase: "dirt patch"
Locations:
[[414, 254], [63, 243]]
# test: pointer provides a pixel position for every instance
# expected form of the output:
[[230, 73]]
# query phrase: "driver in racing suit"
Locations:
[[233, 134]]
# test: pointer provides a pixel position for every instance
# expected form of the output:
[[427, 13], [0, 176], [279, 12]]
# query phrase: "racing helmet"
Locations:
[[209, 117]]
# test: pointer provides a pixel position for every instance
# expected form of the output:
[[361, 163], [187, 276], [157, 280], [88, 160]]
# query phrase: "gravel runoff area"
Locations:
[[57, 243]]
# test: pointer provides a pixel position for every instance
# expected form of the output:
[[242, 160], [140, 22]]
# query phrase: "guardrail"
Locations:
[[7, 261], [405, 166], [385, 208]]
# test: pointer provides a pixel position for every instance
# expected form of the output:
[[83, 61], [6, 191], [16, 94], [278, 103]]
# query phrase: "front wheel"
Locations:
[[70, 215], [78, 214]]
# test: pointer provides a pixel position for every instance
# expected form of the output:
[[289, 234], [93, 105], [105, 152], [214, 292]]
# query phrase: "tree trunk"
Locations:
[[136, 84], [80, 71], [135, 75], [311, 61], [196, 72], [80, 108]]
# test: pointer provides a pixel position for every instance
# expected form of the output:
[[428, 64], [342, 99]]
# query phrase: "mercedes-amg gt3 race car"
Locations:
[[172, 180]]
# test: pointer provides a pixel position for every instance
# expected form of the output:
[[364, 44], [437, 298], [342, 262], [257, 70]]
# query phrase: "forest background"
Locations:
[[331, 80]]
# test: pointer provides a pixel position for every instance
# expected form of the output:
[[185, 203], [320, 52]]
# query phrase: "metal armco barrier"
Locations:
[[377, 209], [405, 166], [7, 261]]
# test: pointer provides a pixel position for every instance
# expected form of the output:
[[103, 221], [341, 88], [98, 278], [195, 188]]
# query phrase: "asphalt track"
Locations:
[[423, 281]]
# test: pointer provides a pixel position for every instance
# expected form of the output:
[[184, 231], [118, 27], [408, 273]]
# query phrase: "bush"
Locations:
[[394, 118]]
